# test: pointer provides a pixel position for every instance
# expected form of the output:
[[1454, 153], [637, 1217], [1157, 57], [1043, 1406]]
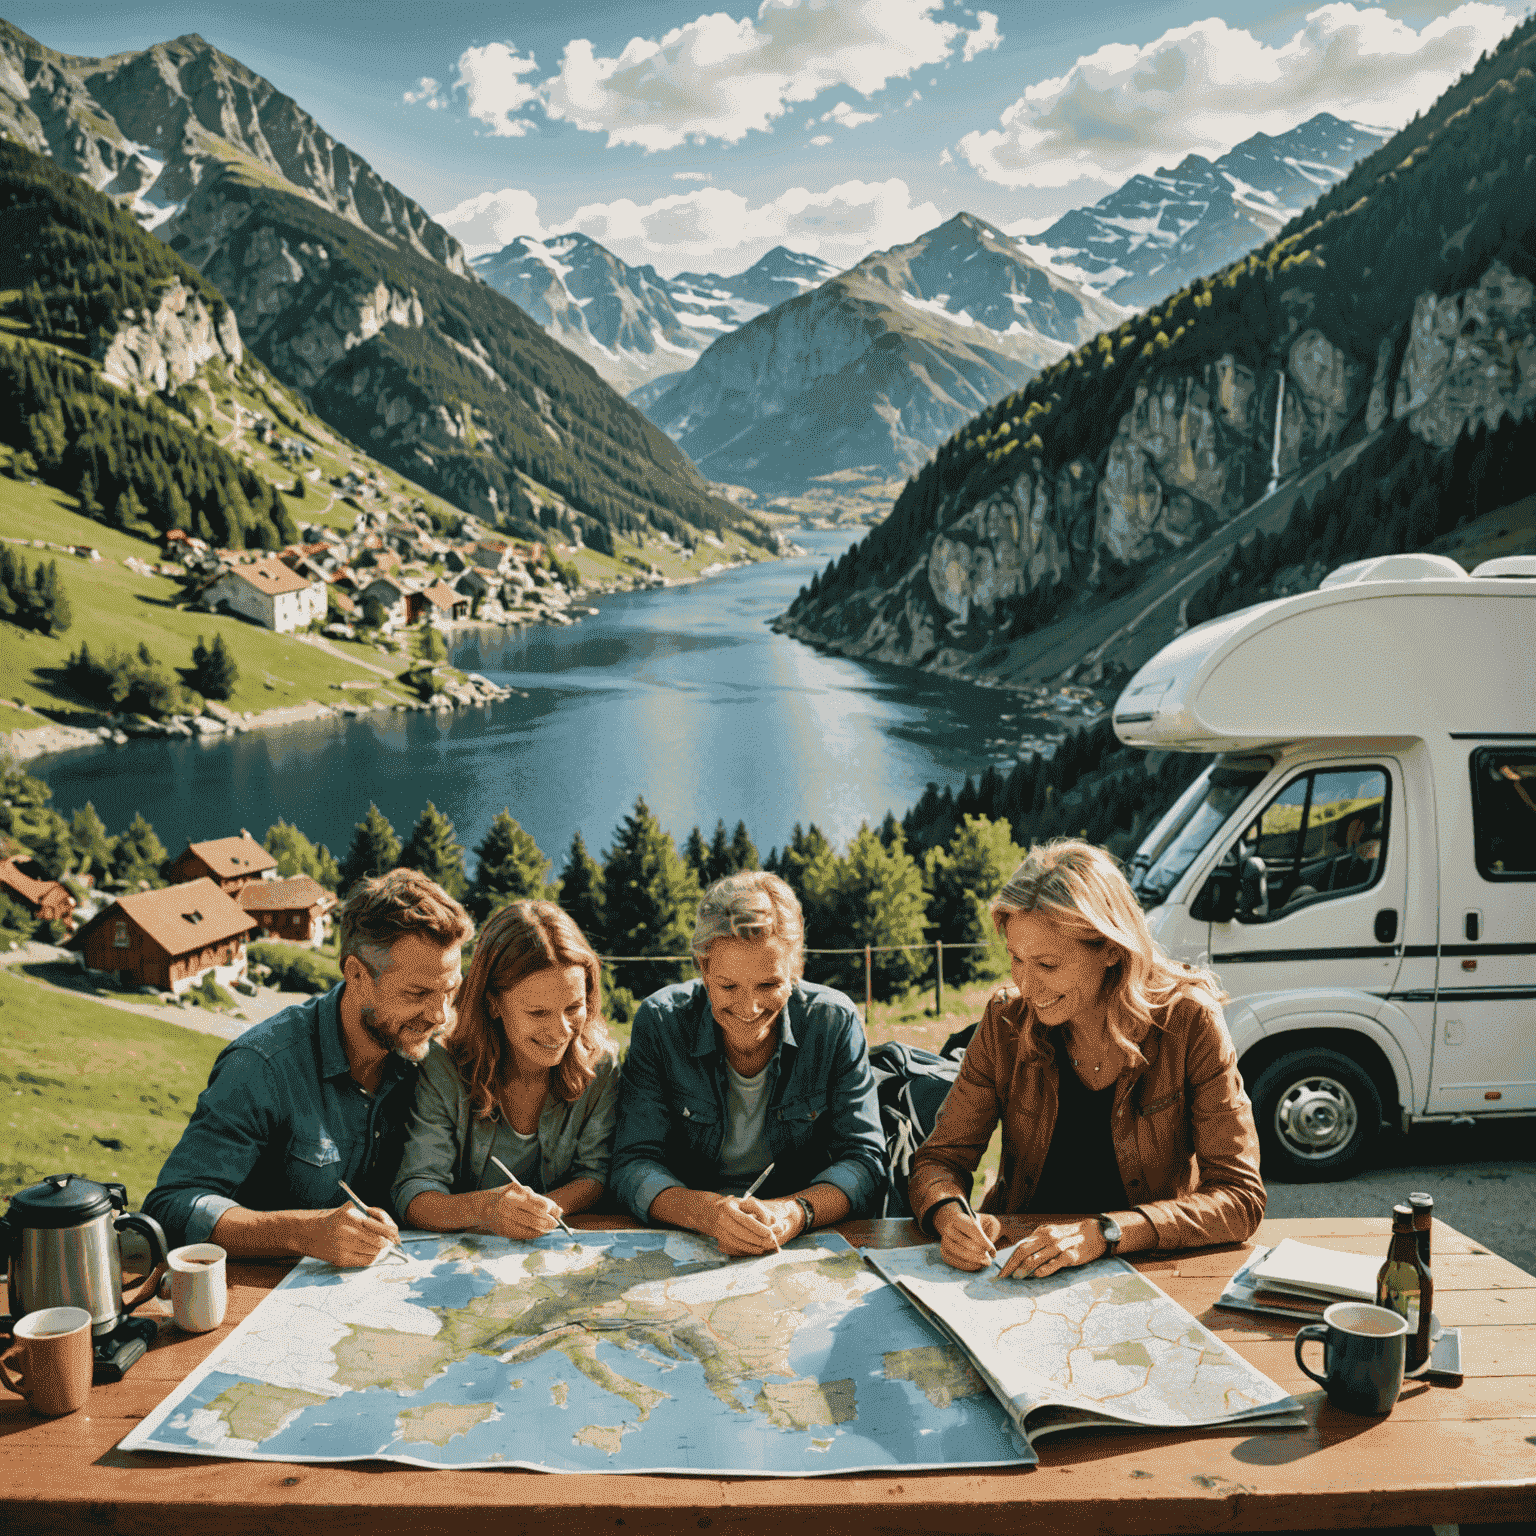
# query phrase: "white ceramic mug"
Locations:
[[194, 1282], [56, 1360]]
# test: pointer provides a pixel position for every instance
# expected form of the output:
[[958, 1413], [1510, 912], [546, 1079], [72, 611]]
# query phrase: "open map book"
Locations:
[[1098, 1346]]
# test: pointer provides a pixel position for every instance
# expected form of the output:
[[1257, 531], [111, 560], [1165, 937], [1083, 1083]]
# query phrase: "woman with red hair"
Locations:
[[1115, 1080], [528, 1075]]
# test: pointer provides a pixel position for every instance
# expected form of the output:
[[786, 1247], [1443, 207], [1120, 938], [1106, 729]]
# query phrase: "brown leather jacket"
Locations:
[[1183, 1127]]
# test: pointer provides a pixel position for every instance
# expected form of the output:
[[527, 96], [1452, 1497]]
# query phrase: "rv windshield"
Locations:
[[1197, 817]]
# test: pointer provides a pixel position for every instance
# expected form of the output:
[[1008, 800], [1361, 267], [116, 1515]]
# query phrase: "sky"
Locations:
[[696, 139]]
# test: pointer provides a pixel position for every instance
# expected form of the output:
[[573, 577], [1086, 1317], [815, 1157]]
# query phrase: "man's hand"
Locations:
[[752, 1226], [516, 1211], [1063, 1245], [964, 1243], [348, 1239]]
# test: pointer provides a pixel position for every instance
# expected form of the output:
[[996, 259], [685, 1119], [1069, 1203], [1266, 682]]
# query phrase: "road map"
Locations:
[[621, 1352], [1100, 1345]]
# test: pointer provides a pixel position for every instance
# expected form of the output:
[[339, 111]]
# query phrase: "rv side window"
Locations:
[[1504, 812], [1323, 835]]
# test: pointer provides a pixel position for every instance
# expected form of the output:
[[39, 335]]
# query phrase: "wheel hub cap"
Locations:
[[1316, 1117]]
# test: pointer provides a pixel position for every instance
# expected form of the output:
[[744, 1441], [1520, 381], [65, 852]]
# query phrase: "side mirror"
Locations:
[[1217, 898], [1254, 895]]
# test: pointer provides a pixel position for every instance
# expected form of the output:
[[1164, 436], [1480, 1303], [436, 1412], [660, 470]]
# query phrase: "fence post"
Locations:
[[869, 983], [938, 978]]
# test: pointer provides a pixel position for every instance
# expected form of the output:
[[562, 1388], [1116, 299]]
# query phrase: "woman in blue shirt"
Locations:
[[748, 1066]]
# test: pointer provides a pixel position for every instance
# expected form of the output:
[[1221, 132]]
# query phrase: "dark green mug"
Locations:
[[1364, 1350]]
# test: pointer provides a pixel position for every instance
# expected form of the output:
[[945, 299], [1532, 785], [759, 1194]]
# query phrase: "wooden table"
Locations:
[[1446, 1455]]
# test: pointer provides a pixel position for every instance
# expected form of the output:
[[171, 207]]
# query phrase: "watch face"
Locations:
[[1110, 1228]]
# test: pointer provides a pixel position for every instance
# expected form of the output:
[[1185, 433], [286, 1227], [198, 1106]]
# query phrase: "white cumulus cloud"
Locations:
[[716, 78], [845, 114], [491, 220], [720, 228], [426, 94], [1203, 88], [984, 38], [495, 90]]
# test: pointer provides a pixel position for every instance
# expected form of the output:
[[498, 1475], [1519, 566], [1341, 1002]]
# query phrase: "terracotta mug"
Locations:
[[194, 1282], [55, 1358]]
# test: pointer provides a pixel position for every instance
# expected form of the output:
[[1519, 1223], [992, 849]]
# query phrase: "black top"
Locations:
[[1080, 1176]]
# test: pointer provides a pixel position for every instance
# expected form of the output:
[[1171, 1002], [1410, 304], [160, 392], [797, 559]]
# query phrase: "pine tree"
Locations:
[[696, 855], [581, 891], [649, 896], [743, 849], [962, 879], [375, 849], [138, 856], [296, 855], [878, 900], [511, 868], [90, 842], [809, 867], [214, 673], [431, 849], [719, 863]]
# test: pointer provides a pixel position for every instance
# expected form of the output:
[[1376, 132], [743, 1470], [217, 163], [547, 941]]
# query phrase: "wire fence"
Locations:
[[868, 951]]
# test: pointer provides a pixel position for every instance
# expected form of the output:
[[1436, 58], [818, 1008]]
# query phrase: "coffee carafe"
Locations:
[[60, 1242]]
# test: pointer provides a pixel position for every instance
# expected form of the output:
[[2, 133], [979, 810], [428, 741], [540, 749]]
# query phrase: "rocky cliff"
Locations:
[[166, 345], [1091, 503]]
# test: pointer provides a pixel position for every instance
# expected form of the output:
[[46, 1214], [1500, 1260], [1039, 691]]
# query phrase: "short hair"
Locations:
[[519, 941], [383, 908], [1080, 889], [753, 905]]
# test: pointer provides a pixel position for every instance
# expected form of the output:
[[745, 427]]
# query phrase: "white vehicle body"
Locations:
[[1359, 864]]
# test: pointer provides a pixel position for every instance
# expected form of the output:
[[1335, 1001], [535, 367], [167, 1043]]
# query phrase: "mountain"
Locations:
[[1360, 384], [1157, 233], [348, 292], [630, 323], [871, 368]]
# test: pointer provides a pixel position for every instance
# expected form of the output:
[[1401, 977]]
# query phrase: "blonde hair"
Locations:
[[752, 905], [517, 942], [1080, 889]]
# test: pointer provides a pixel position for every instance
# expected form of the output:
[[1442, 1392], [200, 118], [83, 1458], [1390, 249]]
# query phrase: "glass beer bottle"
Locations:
[[1423, 1206], [1404, 1286]]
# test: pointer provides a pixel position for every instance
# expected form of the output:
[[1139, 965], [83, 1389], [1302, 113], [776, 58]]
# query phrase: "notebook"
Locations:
[[1299, 1269]]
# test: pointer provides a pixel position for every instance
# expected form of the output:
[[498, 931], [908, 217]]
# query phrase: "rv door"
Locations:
[[1320, 877]]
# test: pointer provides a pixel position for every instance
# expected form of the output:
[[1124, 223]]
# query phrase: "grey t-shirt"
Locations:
[[520, 1153], [745, 1152]]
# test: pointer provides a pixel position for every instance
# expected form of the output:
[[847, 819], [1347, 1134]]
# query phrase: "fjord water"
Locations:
[[682, 694]]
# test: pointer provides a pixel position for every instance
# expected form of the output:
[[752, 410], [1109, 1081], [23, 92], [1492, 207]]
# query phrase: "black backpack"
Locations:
[[912, 1084]]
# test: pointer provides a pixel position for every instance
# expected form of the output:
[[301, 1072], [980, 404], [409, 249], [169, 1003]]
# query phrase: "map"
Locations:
[[636, 1351], [1099, 1345]]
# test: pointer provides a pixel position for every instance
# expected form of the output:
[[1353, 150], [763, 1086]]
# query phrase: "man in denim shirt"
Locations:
[[746, 1068], [321, 1093]]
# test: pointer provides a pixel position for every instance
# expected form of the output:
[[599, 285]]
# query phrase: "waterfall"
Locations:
[[1274, 457]]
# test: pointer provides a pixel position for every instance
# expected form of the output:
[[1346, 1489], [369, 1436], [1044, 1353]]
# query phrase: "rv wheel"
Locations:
[[1317, 1111]]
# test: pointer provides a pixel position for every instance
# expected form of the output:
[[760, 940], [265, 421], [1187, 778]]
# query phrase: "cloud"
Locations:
[[716, 78], [822, 139], [722, 228], [426, 94], [844, 114], [494, 219], [1203, 88], [984, 38], [693, 176], [492, 81]]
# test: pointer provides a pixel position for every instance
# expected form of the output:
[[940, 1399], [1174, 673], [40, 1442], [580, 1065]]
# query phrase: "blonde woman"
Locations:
[[747, 1069], [1115, 1079], [529, 1075]]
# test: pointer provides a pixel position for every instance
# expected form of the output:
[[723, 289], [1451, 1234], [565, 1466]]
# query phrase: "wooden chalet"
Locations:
[[25, 881], [167, 939], [294, 910], [230, 862]]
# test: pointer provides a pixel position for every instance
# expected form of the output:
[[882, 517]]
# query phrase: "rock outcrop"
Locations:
[[166, 347]]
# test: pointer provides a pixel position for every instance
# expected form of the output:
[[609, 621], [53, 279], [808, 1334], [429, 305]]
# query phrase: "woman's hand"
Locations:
[[1063, 1245], [964, 1243], [516, 1211], [753, 1226]]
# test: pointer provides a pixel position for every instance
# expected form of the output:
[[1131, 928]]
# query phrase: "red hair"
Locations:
[[519, 941]]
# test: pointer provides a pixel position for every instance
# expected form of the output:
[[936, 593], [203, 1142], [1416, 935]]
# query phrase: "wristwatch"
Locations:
[[1111, 1230], [810, 1213]]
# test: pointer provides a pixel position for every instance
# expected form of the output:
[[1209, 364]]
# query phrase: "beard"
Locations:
[[392, 1038]]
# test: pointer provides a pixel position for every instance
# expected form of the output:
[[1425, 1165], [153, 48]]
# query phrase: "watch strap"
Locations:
[[810, 1213], [1111, 1230]]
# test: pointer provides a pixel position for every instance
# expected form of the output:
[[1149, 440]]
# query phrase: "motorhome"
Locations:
[[1358, 864]]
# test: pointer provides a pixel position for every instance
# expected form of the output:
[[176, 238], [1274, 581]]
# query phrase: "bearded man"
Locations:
[[320, 1094]]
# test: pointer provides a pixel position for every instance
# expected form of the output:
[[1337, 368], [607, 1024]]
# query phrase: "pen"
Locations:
[[362, 1210], [753, 1188], [965, 1205], [512, 1179]]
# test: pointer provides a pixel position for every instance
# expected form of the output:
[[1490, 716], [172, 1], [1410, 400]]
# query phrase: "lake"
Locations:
[[682, 694]]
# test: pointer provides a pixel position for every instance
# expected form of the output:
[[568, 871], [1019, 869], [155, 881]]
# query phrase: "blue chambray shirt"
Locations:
[[823, 1116], [281, 1123]]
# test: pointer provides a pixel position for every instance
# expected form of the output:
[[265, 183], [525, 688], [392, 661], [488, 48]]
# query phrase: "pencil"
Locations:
[[362, 1209], [756, 1185], [513, 1179]]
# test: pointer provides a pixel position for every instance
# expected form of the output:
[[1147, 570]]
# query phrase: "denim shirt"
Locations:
[[281, 1124], [823, 1117]]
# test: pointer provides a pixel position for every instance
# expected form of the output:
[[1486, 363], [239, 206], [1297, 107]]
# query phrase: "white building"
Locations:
[[268, 592]]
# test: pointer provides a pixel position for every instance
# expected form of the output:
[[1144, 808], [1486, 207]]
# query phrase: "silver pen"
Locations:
[[753, 1188], [357, 1205], [513, 1179]]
